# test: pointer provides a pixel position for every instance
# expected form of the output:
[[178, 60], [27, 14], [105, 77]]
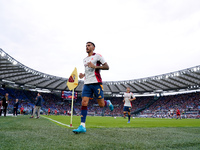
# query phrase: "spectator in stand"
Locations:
[[15, 108], [5, 103], [38, 105]]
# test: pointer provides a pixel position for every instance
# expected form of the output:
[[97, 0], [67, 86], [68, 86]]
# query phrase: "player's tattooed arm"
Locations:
[[132, 99], [102, 67]]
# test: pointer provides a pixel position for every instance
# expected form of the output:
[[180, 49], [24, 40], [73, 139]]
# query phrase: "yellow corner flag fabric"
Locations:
[[72, 82]]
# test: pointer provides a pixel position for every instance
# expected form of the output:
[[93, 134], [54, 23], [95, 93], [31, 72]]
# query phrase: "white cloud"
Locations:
[[137, 38]]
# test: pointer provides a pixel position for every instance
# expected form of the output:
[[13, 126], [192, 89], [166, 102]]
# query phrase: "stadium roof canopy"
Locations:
[[16, 74]]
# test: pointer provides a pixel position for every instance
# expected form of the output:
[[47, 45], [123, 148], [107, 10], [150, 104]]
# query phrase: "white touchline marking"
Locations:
[[57, 121]]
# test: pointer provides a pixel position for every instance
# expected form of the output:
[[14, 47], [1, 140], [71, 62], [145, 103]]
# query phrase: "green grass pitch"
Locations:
[[102, 133]]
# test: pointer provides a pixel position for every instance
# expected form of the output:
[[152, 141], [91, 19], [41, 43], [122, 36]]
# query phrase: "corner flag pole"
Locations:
[[72, 107], [72, 83]]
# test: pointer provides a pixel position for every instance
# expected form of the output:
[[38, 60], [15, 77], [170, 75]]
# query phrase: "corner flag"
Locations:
[[72, 82]]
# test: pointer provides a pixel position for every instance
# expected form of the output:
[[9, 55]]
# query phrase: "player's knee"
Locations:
[[84, 103], [101, 105]]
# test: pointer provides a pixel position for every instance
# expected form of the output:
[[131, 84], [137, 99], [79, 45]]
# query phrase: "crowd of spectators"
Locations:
[[188, 104], [54, 102]]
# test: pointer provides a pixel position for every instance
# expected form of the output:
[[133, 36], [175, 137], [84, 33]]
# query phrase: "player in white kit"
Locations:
[[92, 83], [128, 98]]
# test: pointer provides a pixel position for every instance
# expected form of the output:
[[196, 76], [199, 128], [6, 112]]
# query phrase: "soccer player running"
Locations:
[[128, 98], [92, 83]]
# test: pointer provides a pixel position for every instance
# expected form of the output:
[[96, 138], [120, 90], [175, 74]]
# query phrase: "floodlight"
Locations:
[[3, 54], [14, 62]]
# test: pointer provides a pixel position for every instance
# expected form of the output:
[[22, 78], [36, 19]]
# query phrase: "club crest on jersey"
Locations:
[[72, 78]]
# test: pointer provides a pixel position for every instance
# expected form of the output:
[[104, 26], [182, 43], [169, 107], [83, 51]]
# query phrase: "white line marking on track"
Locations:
[[56, 121]]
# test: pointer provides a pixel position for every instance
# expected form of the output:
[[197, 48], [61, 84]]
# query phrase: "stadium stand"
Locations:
[[23, 82], [16, 74], [189, 104]]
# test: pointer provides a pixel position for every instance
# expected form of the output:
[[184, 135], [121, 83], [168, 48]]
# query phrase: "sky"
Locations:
[[137, 38]]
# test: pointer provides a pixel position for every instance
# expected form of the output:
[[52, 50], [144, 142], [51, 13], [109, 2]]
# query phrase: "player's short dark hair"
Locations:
[[91, 43]]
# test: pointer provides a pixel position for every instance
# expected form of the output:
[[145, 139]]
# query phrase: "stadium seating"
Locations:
[[146, 106]]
